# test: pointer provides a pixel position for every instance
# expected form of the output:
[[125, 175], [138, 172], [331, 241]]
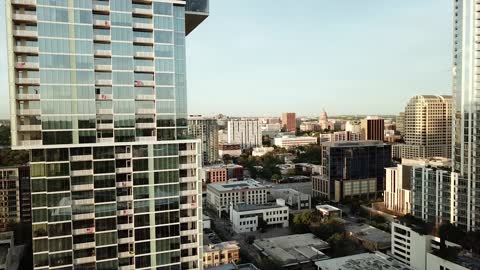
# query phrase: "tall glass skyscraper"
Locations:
[[466, 118], [98, 96]]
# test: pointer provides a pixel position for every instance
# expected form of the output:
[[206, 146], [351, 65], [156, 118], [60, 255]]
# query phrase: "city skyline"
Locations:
[[397, 56]]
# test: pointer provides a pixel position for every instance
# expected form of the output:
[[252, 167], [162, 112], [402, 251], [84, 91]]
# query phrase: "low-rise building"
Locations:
[[221, 254], [286, 140], [293, 198], [247, 217], [329, 211], [369, 237], [293, 250], [261, 151], [221, 173], [221, 195], [364, 261], [230, 149]]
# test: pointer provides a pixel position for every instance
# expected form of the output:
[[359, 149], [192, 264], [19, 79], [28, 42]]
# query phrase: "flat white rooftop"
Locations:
[[236, 185], [364, 261]]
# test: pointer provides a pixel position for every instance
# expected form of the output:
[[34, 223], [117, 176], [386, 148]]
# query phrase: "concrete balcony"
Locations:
[[102, 38], [83, 216], [144, 55], [83, 202], [189, 245], [124, 170], [124, 184], [29, 18], [196, 11], [90, 230], [144, 83], [26, 50], [103, 9], [145, 125], [104, 97], [126, 212], [27, 112], [186, 206], [105, 126], [28, 96], [82, 187], [188, 166], [103, 67], [188, 193], [105, 140], [127, 226], [104, 111], [28, 81], [187, 153], [85, 260], [25, 34], [31, 142], [103, 53], [188, 179], [188, 232], [81, 158], [127, 267], [81, 172], [29, 3], [27, 128], [143, 40], [143, 26], [125, 198], [104, 24], [126, 240], [144, 69], [145, 111], [103, 82], [27, 65], [146, 138], [145, 97], [188, 219], [143, 12], [123, 155], [189, 259], [143, 1], [126, 254], [84, 246]]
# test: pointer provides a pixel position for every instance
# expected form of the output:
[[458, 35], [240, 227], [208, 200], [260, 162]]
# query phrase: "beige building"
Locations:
[[427, 128], [220, 254]]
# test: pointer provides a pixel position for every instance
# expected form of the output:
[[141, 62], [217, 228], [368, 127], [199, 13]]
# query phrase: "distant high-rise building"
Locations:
[[289, 122], [352, 169], [246, 132], [98, 97], [354, 126], [206, 130], [428, 132], [373, 128], [400, 123]]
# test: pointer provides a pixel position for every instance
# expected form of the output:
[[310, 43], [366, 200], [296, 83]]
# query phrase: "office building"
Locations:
[[373, 128], [400, 123], [221, 173], [206, 130], [310, 126], [229, 149], [340, 136], [286, 140], [328, 211], [98, 97], [221, 254], [294, 199], [222, 195], [289, 122], [246, 217], [354, 126], [428, 128], [352, 169], [246, 132]]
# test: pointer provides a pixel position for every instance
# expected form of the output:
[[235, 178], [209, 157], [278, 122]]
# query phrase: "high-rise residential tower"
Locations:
[[289, 122], [98, 97], [205, 129], [246, 132], [427, 128]]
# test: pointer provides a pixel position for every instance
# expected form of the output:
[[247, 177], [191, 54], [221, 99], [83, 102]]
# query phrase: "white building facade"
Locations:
[[246, 132], [245, 218]]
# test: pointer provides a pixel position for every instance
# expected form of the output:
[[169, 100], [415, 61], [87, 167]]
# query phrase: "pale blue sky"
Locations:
[[255, 57]]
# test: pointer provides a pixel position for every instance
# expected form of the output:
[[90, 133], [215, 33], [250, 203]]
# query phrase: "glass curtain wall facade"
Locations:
[[98, 96], [466, 123]]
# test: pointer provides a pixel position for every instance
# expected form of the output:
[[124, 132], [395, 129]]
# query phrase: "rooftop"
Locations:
[[327, 207], [293, 249], [353, 143], [241, 207], [233, 245], [237, 185], [369, 233], [365, 261]]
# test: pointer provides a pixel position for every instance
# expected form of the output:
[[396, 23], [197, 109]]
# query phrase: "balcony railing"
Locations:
[[29, 112], [103, 53], [27, 128], [24, 17], [26, 49], [144, 69], [28, 81], [142, 11], [24, 2], [104, 126], [145, 55], [27, 65], [146, 125]]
